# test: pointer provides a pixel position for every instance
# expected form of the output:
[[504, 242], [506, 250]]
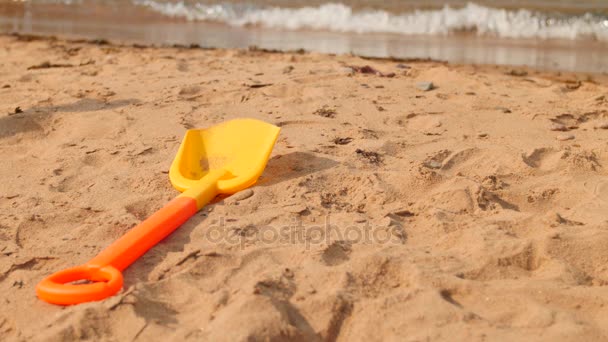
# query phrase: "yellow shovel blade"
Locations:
[[241, 147]]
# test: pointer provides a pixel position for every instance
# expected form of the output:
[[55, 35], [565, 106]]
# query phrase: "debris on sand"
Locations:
[[17, 110], [99, 41], [257, 85], [558, 127], [371, 157], [288, 69], [403, 213], [48, 65], [573, 85], [601, 125], [425, 86], [326, 112], [366, 69], [517, 73], [343, 141]]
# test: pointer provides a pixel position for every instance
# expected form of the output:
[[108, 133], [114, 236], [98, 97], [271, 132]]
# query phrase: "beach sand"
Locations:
[[472, 211]]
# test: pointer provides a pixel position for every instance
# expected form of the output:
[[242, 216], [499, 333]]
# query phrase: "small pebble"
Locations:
[[558, 127], [17, 110], [564, 137], [242, 195], [404, 213], [425, 86], [296, 209], [518, 73], [347, 71], [433, 164], [482, 135], [190, 90]]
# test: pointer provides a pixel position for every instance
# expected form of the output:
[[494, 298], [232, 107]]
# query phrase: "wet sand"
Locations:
[[475, 210], [134, 25]]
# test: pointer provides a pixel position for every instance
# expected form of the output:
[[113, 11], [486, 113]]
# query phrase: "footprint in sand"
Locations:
[[140, 209], [336, 253], [283, 91], [458, 158], [564, 122], [519, 261], [570, 121], [543, 158], [189, 92], [601, 191], [427, 124], [446, 159], [21, 125], [64, 185], [36, 231]]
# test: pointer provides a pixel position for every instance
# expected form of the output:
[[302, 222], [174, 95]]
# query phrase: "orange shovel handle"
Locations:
[[140, 239], [56, 290], [104, 270]]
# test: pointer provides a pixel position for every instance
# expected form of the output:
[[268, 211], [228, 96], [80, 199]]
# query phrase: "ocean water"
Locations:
[[564, 20], [549, 34]]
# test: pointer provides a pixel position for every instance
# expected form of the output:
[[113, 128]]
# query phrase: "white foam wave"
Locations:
[[341, 18]]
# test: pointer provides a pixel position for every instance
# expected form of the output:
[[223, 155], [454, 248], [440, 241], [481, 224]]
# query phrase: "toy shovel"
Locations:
[[222, 159]]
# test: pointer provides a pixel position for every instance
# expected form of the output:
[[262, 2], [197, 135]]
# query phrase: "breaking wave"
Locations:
[[341, 18]]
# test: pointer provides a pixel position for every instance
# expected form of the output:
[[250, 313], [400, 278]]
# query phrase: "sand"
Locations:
[[385, 213]]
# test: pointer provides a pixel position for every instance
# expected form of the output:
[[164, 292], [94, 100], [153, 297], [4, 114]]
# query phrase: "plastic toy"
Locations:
[[223, 159]]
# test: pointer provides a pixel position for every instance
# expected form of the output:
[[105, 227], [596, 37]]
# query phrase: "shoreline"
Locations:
[[600, 77], [101, 23]]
